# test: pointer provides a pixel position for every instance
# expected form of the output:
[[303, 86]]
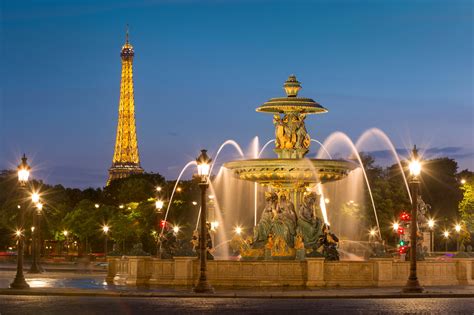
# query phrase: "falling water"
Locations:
[[221, 233], [228, 142], [255, 154], [322, 203], [340, 135], [381, 135], [264, 147], [174, 189], [322, 147]]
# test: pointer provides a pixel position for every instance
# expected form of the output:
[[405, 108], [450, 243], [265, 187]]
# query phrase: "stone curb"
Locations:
[[41, 292]]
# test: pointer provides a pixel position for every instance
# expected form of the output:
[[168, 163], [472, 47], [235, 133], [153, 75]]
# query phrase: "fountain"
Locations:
[[289, 226], [292, 242]]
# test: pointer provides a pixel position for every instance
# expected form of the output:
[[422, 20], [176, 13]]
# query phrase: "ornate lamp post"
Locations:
[[457, 228], [431, 225], [35, 265], [203, 165], [105, 229], [23, 174], [446, 239], [412, 285], [158, 205], [65, 233]]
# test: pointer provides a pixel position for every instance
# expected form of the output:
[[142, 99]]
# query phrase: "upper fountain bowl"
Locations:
[[290, 172], [292, 103]]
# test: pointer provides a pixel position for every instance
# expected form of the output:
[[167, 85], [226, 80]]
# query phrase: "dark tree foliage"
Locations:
[[128, 205]]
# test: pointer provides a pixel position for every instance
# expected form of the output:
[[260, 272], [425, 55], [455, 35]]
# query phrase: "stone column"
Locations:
[[121, 272], [315, 275], [382, 271], [138, 270], [112, 263], [183, 270], [464, 271]]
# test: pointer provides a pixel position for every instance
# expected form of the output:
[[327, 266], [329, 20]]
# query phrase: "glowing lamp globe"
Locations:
[[23, 171], [39, 206], [431, 223], [415, 168], [457, 228], [395, 226], [159, 204], [35, 197], [203, 165]]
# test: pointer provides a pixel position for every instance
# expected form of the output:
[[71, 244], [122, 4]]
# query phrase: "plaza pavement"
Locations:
[[92, 284]]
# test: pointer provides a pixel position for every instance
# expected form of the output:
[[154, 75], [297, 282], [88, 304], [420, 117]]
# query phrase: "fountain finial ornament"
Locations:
[[292, 86]]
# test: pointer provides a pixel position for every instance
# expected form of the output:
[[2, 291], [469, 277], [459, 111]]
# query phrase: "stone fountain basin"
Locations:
[[302, 172]]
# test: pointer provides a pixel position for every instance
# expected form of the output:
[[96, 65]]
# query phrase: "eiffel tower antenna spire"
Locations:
[[126, 160], [126, 35]]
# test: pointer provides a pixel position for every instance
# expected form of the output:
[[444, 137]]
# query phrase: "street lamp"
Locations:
[[203, 166], [105, 229], [412, 285], [463, 181], [446, 238], [238, 230], [395, 226], [23, 174], [35, 264], [159, 205], [457, 228], [66, 233], [431, 224], [176, 229]]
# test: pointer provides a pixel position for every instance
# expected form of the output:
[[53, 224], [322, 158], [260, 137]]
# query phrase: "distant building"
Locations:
[[126, 160]]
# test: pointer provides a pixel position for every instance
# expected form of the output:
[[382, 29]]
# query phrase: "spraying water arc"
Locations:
[[342, 136], [190, 163], [381, 135], [322, 147], [223, 145]]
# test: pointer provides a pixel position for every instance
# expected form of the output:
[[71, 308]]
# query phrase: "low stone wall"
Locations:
[[312, 272]]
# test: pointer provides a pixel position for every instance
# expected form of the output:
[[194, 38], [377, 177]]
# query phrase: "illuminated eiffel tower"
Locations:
[[126, 160]]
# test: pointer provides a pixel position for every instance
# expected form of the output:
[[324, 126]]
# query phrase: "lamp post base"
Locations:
[[203, 287], [19, 283], [412, 286]]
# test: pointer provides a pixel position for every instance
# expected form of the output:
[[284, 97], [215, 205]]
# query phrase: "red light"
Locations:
[[401, 230], [404, 216], [402, 249], [162, 223]]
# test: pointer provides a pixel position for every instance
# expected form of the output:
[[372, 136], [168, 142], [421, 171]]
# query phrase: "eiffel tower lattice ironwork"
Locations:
[[126, 160]]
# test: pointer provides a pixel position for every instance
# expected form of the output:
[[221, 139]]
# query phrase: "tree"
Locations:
[[466, 205], [84, 221]]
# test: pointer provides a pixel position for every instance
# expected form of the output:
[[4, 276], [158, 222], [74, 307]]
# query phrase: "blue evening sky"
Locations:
[[202, 67]]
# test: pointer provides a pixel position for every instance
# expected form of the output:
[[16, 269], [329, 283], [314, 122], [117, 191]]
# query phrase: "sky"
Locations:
[[202, 67]]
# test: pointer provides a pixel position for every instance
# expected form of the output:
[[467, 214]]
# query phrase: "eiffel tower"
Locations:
[[126, 160]]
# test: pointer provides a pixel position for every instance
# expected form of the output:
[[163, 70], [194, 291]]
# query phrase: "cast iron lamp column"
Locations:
[[446, 238], [457, 228], [65, 233], [203, 165], [35, 265], [19, 282], [431, 224], [412, 285], [105, 229], [159, 203]]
